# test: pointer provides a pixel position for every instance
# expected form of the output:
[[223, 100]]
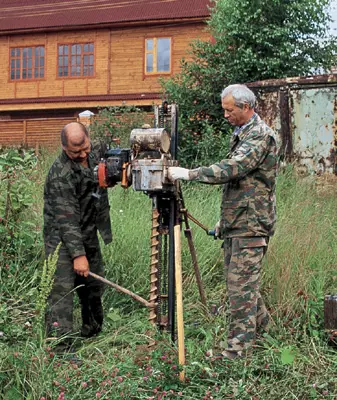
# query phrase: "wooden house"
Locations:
[[61, 55], [59, 58]]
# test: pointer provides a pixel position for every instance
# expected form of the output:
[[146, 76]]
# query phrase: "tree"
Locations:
[[275, 38], [251, 40]]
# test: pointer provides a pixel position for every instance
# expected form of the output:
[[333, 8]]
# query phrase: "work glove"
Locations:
[[175, 173]]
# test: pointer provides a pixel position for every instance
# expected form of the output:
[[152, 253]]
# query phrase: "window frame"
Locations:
[[21, 57], [155, 71], [81, 65]]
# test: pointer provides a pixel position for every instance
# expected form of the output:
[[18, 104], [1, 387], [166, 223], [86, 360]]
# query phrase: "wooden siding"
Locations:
[[12, 133], [119, 63], [127, 49], [32, 132]]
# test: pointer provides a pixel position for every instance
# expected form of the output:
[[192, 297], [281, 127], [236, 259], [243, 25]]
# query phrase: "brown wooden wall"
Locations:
[[119, 62], [32, 132]]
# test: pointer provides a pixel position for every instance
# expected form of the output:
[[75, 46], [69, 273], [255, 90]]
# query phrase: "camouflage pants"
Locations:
[[59, 316], [248, 313]]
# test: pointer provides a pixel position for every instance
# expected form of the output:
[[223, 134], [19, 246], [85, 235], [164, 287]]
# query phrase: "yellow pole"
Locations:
[[179, 299]]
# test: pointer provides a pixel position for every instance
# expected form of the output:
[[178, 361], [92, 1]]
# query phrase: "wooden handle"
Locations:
[[179, 299], [121, 289]]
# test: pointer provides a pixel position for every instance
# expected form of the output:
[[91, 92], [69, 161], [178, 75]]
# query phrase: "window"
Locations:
[[158, 55], [76, 60], [27, 63]]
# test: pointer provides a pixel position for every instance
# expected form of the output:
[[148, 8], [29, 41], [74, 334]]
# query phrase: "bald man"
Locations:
[[75, 208]]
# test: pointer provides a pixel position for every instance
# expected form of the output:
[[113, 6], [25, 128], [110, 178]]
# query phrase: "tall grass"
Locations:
[[292, 361], [302, 257]]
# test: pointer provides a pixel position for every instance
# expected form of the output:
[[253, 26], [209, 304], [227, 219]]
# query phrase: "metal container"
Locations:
[[149, 139]]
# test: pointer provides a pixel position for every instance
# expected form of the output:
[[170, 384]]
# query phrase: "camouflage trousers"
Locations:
[[243, 257], [59, 315]]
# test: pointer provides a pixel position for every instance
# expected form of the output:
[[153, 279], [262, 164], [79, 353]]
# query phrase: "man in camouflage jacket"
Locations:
[[74, 209], [247, 212]]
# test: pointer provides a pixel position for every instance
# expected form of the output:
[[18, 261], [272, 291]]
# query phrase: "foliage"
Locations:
[[45, 287], [202, 149], [118, 122], [17, 167], [274, 39], [251, 40]]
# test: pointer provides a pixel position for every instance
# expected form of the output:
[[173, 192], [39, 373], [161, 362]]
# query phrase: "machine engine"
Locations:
[[144, 165]]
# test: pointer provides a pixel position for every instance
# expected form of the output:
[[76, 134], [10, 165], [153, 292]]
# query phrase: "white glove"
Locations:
[[217, 230], [174, 173]]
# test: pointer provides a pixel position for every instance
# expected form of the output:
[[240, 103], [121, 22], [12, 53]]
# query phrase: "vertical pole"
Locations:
[[171, 271], [179, 294], [174, 132], [24, 139], [156, 117], [188, 234]]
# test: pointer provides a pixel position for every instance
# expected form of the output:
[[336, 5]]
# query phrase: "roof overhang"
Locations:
[[112, 26]]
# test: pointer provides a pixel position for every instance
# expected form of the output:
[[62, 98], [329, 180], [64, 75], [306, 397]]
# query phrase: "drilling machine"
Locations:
[[144, 167]]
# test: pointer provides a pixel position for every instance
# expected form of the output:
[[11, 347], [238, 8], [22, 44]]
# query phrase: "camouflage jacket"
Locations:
[[248, 174], [74, 206]]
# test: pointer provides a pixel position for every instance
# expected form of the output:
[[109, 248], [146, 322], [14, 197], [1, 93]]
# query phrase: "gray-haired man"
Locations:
[[247, 212]]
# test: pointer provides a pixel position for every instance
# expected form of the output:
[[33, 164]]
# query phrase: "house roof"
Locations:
[[40, 15]]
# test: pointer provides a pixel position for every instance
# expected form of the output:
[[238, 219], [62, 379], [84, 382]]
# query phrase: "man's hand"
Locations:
[[81, 266], [175, 173]]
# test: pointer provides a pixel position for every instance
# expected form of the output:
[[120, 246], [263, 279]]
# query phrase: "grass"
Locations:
[[293, 361]]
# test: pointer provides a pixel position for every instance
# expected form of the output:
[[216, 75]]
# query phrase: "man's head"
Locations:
[[75, 142], [238, 103]]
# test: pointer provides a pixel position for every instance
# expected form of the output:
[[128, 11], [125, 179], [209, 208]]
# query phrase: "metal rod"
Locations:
[[171, 271], [195, 221], [121, 289], [174, 131], [188, 235]]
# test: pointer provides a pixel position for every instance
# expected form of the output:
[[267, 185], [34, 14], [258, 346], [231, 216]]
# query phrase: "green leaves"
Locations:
[[287, 355], [17, 167], [118, 122]]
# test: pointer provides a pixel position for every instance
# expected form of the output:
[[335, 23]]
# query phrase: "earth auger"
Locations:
[[144, 166]]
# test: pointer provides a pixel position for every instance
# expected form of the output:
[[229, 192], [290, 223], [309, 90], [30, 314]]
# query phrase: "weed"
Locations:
[[291, 361]]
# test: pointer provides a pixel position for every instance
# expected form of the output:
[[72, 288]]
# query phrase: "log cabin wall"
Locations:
[[127, 55], [118, 67], [44, 132]]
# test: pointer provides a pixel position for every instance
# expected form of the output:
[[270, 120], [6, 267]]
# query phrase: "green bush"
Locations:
[[205, 149], [118, 122], [18, 233]]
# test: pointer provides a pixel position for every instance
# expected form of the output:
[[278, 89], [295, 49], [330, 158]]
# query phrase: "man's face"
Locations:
[[235, 115], [78, 152]]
